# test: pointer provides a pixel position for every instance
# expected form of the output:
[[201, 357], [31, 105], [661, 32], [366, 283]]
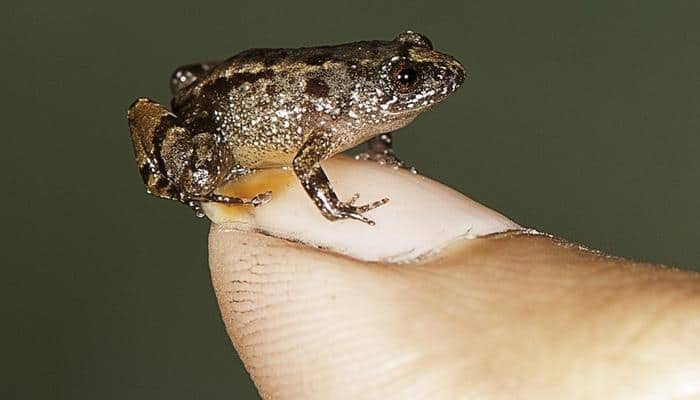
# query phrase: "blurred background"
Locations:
[[580, 120]]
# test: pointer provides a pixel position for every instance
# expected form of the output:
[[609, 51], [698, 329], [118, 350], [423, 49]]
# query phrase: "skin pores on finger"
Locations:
[[421, 216]]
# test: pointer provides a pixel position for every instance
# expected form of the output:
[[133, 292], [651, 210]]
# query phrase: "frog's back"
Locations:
[[264, 63], [309, 56], [250, 110], [262, 98]]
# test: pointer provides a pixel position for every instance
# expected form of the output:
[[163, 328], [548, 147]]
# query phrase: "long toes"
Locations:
[[379, 203], [363, 156], [226, 199], [353, 199], [197, 209], [372, 206], [358, 216]]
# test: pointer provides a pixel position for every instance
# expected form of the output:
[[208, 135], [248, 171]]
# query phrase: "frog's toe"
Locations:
[[356, 215], [362, 218], [347, 210], [197, 208], [262, 198], [372, 206], [387, 157], [365, 207], [255, 201], [353, 199]]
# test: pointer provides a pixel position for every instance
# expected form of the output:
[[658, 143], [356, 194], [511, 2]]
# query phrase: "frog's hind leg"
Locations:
[[150, 123], [188, 74], [174, 163]]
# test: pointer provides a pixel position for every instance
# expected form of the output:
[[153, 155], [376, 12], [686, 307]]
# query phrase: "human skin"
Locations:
[[488, 312]]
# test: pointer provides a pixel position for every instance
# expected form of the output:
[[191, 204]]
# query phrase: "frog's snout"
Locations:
[[458, 73], [450, 74]]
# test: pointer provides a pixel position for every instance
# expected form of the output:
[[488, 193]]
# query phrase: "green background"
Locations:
[[581, 119]]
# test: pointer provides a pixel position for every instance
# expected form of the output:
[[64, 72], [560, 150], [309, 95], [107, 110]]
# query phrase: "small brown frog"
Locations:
[[267, 108]]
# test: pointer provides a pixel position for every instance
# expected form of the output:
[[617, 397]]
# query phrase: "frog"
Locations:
[[287, 108]]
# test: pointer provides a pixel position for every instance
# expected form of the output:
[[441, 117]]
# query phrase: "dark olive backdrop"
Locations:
[[579, 120]]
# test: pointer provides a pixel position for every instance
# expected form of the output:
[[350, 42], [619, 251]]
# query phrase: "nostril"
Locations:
[[460, 77], [459, 74]]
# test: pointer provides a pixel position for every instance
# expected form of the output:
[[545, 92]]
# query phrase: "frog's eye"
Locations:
[[405, 77]]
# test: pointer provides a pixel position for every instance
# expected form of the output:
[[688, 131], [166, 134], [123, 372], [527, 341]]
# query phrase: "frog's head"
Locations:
[[403, 78], [415, 77]]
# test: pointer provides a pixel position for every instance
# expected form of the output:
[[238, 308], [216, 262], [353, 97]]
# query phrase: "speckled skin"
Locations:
[[266, 108]]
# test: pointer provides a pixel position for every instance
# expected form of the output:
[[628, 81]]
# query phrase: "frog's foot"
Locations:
[[197, 208], [386, 157], [257, 200], [379, 149], [348, 210]]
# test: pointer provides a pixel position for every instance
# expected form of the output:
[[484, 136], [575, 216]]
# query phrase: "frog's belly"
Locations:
[[257, 158]]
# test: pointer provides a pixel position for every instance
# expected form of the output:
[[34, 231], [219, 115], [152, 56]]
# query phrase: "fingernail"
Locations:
[[422, 216]]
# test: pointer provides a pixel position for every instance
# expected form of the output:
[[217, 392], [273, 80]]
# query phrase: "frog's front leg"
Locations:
[[308, 169], [380, 149]]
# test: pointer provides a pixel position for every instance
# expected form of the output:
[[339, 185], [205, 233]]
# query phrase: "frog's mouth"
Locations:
[[409, 112], [413, 107]]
